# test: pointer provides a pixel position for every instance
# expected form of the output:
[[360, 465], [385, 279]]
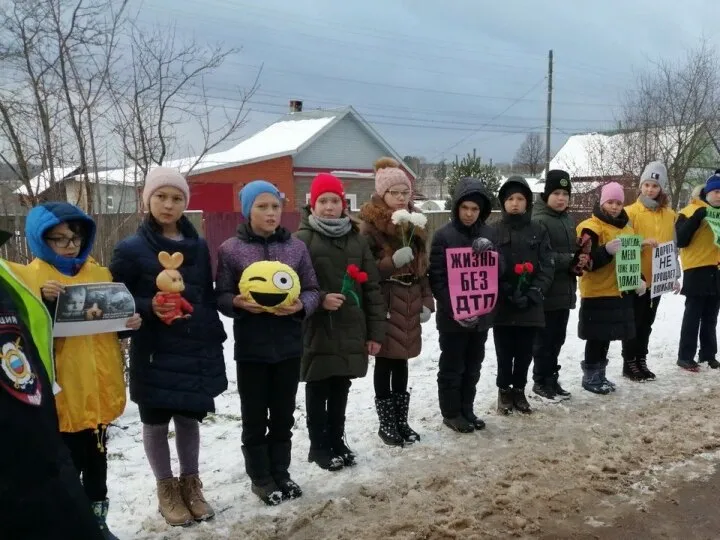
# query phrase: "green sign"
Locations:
[[627, 262], [712, 217]]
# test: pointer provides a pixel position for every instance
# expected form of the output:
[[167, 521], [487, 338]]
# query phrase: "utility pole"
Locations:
[[549, 112]]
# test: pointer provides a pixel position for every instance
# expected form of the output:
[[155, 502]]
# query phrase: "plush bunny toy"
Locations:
[[170, 284]]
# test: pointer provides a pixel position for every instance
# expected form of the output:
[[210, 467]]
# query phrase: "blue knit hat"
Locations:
[[712, 183], [250, 192]]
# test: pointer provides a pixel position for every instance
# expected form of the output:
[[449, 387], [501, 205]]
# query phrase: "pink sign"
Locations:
[[473, 282]]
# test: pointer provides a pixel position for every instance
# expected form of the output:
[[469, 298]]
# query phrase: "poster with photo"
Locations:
[[93, 308]]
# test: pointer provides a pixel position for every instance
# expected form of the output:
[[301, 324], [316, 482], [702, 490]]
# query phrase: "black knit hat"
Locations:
[[556, 179]]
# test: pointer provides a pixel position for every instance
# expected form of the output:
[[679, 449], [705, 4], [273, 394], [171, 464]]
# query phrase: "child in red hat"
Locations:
[[349, 326]]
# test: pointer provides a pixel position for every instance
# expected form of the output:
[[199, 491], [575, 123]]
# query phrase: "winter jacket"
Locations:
[[40, 493], [264, 337], [405, 290], [658, 224], [520, 240], [561, 232], [699, 255], [334, 342], [457, 235], [180, 366], [605, 313], [89, 368]]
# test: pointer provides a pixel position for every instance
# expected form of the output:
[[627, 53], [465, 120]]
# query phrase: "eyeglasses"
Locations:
[[399, 194], [64, 241]]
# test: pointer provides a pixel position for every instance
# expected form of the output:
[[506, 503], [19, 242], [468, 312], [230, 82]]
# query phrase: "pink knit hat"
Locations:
[[389, 177], [164, 177], [612, 192]]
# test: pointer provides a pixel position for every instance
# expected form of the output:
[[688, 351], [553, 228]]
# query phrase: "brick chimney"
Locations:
[[295, 106]]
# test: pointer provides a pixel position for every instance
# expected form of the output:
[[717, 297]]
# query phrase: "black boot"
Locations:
[[520, 402], [642, 364], [505, 401], [449, 399], [468, 391], [100, 509], [560, 392], [544, 390], [257, 466], [388, 431], [337, 404], [594, 381], [631, 370], [459, 424], [714, 364], [402, 409], [280, 455], [317, 424]]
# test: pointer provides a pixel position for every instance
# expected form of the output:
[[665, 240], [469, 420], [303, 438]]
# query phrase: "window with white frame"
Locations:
[[351, 199], [109, 203]]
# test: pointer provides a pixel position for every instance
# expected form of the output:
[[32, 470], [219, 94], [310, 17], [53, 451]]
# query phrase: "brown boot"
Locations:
[[192, 495], [171, 503]]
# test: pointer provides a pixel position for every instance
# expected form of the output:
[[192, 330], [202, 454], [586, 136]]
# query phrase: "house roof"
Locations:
[[592, 155], [286, 137], [41, 182]]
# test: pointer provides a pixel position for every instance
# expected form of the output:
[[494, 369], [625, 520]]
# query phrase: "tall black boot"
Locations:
[[450, 407], [388, 431], [468, 391], [336, 406], [317, 424], [402, 409], [257, 466], [280, 456]]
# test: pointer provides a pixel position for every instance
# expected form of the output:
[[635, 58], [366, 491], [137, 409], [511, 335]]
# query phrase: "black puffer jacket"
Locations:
[[520, 241], [181, 366], [456, 235], [561, 230]]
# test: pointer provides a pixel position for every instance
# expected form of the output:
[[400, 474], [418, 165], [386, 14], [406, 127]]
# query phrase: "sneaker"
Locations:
[[544, 391], [689, 365]]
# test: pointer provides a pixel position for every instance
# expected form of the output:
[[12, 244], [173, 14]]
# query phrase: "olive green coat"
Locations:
[[335, 342]]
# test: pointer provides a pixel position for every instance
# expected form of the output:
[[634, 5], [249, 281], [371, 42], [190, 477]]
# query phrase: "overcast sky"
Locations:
[[438, 78]]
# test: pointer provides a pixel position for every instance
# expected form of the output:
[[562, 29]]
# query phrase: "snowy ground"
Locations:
[[576, 460]]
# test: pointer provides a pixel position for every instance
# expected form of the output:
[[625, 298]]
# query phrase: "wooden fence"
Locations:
[[111, 228]]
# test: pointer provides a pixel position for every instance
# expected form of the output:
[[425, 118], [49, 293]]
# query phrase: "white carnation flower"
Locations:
[[401, 216], [418, 219]]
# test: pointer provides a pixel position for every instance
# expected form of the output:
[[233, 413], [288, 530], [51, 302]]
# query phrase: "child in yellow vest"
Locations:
[[89, 368], [606, 314], [699, 255], [651, 217]]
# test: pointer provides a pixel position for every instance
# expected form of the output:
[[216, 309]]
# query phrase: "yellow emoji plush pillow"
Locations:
[[270, 285]]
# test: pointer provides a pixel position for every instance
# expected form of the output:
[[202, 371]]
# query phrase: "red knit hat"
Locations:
[[326, 183]]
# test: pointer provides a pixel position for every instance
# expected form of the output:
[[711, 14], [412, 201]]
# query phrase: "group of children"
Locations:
[[326, 336]]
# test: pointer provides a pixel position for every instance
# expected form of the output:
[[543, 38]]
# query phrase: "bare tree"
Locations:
[[530, 157], [672, 115], [166, 88]]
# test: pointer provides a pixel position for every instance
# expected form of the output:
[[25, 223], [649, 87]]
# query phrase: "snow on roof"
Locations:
[[282, 138], [537, 185], [431, 205], [597, 154], [41, 182]]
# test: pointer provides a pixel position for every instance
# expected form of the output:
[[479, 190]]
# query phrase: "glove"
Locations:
[[470, 322], [700, 213], [613, 246], [482, 244], [519, 300], [642, 289], [425, 315], [403, 256], [535, 296]]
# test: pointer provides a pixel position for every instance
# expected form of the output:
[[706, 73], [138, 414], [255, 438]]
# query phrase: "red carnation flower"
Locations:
[[519, 268], [529, 267]]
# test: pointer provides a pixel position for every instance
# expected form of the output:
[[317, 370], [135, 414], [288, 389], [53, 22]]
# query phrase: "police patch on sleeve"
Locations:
[[17, 376]]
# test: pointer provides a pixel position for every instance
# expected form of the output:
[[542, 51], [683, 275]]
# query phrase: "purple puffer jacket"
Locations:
[[265, 337]]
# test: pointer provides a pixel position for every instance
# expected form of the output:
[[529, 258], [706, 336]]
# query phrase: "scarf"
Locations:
[[647, 202], [334, 228]]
